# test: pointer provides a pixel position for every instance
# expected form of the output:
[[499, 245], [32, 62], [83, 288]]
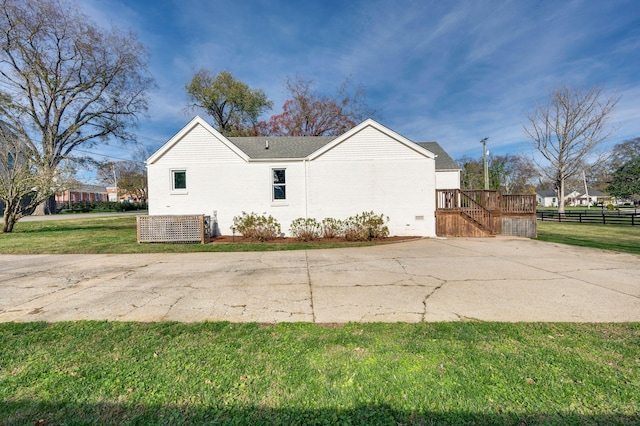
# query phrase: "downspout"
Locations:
[[306, 190]]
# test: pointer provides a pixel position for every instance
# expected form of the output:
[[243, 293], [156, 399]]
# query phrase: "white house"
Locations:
[[368, 168], [595, 197], [547, 197]]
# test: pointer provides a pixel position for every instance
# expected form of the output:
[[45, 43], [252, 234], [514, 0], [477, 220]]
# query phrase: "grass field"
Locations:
[[221, 373], [608, 237]]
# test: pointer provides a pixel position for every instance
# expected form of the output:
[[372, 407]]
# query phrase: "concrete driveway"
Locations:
[[490, 279]]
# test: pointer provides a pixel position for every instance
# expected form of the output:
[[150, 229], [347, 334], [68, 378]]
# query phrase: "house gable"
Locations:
[[197, 142], [370, 140]]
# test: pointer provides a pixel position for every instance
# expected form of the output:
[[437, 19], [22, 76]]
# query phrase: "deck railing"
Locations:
[[465, 203], [490, 200], [518, 203]]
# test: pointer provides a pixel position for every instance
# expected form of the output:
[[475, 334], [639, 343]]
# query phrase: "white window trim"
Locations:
[[274, 201], [180, 191]]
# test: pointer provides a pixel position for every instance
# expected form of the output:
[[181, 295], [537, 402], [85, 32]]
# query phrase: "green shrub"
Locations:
[[90, 206], [252, 226], [366, 226], [610, 207], [305, 229], [332, 228]]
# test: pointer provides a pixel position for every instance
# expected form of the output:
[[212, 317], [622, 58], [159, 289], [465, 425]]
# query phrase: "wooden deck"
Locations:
[[479, 213]]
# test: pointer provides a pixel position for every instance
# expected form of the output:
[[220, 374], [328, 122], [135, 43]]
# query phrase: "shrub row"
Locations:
[[89, 206], [364, 226]]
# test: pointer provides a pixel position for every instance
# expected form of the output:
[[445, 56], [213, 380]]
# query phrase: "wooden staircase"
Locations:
[[465, 213], [475, 213], [479, 213]]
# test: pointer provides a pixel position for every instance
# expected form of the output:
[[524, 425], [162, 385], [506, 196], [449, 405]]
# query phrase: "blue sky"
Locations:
[[443, 70]]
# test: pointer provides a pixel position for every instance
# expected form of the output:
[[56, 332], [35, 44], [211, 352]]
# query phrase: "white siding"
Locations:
[[372, 171], [198, 146], [402, 190], [369, 144], [448, 179], [229, 189]]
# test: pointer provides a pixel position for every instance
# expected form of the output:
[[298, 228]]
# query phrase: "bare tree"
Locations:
[[22, 185], [309, 113], [568, 130], [129, 177], [68, 83]]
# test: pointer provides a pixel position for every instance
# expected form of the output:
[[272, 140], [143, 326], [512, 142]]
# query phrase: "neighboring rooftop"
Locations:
[[546, 193]]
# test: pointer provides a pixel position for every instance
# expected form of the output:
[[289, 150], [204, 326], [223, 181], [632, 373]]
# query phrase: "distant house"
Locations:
[[547, 198], [595, 197], [368, 168], [117, 196], [82, 194]]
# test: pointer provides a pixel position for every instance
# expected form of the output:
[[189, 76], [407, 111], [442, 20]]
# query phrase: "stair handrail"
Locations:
[[476, 211]]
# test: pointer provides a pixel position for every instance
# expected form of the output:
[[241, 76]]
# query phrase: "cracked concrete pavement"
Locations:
[[488, 279]]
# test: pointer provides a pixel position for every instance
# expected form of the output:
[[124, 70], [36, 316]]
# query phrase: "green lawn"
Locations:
[[387, 374], [608, 237], [117, 234]]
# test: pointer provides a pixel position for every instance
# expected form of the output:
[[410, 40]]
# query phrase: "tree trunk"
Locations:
[[9, 220], [561, 197], [46, 207]]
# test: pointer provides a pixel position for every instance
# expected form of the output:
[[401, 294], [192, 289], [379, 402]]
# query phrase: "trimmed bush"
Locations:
[[305, 229], [101, 206], [260, 228], [332, 228], [366, 226]]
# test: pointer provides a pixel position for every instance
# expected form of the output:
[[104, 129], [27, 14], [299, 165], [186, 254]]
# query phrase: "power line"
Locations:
[[106, 156]]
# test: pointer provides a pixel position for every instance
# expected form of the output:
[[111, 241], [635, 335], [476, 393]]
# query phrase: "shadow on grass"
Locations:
[[79, 227], [70, 413]]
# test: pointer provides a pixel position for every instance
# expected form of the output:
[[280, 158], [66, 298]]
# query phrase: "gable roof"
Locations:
[[196, 121], [299, 147], [379, 127], [443, 160], [280, 147], [546, 193], [596, 193]]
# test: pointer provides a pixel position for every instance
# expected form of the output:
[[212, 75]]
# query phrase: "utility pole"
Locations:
[[115, 180], [586, 190], [484, 161]]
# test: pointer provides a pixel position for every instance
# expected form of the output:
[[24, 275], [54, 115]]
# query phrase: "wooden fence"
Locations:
[[603, 217], [173, 229]]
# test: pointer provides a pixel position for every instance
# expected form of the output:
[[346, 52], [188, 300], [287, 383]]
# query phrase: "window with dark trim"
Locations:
[[279, 184], [179, 179]]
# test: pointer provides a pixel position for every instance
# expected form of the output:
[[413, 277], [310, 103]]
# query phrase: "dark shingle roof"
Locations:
[[443, 160], [547, 193], [281, 146], [289, 147]]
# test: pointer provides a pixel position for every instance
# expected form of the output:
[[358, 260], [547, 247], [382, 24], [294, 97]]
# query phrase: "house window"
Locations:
[[179, 179], [279, 184]]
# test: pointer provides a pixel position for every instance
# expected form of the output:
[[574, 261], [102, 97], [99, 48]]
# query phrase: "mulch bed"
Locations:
[[289, 240]]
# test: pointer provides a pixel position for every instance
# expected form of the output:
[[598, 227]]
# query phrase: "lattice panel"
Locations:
[[173, 229]]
